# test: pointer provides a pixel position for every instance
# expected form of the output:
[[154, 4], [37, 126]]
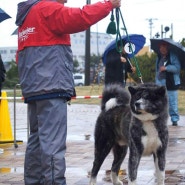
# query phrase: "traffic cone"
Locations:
[[5, 123]]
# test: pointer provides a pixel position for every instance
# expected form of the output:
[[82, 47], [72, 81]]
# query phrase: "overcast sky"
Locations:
[[136, 15]]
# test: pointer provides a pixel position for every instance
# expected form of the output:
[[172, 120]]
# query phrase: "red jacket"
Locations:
[[55, 22], [45, 60]]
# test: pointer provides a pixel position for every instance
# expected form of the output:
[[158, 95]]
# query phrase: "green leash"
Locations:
[[111, 30]]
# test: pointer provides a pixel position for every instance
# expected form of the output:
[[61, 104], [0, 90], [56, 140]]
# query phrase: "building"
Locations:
[[99, 41], [8, 53]]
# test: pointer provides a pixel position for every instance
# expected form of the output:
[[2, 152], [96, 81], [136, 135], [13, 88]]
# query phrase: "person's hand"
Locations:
[[162, 68], [133, 69], [123, 59], [62, 1], [116, 3]]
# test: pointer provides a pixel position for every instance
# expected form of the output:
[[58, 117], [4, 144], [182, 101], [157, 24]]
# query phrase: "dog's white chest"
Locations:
[[151, 141]]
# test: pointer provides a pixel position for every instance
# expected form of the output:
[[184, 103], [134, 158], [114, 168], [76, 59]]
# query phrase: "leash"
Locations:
[[118, 38]]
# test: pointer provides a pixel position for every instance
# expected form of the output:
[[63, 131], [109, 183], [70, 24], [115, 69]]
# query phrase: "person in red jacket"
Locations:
[[45, 66]]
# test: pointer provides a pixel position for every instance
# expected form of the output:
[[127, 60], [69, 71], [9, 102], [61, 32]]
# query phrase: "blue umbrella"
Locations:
[[133, 43], [3, 15]]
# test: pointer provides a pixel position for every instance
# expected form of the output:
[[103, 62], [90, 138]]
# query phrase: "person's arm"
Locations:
[[175, 64], [63, 19], [174, 67], [128, 66]]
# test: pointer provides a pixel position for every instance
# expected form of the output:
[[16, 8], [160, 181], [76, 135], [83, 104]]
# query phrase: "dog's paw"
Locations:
[[115, 179], [118, 183], [131, 183], [92, 181]]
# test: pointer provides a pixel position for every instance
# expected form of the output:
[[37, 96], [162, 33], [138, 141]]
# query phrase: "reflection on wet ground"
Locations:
[[12, 170], [80, 151]]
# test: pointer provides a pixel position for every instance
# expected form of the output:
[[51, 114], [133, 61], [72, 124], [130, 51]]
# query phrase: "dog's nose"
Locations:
[[137, 104]]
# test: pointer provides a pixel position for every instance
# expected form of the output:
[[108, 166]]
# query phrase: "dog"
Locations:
[[136, 119]]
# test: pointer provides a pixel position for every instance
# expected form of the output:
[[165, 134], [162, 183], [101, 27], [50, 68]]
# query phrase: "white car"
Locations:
[[79, 79]]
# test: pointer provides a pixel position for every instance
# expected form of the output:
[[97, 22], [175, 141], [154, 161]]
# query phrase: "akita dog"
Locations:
[[137, 120]]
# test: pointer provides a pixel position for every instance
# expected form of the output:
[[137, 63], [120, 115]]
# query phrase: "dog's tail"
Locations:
[[114, 95]]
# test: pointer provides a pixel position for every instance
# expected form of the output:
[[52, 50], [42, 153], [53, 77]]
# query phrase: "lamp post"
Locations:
[[87, 53], [166, 29], [150, 20]]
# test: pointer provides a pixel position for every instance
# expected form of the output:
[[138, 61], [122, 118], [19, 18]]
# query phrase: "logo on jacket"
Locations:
[[24, 34]]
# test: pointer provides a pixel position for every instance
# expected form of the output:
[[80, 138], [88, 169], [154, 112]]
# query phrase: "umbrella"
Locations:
[[15, 32], [3, 15], [132, 40], [176, 47]]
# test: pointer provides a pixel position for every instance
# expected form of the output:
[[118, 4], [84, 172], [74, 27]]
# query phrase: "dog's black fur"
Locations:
[[138, 121]]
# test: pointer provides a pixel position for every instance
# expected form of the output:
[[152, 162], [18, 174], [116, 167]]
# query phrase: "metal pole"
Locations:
[[87, 54], [97, 39], [171, 30], [15, 142], [15, 123], [162, 31]]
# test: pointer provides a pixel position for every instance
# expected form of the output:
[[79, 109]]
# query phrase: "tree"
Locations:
[[11, 76], [96, 69], [146, 64], [183, 42], [76, 65]]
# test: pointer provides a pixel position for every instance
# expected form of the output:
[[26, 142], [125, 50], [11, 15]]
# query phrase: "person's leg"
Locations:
[[32, 165], [173, 106], [52, 121]]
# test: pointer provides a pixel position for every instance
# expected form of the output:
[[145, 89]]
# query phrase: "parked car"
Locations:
[[79, 79]]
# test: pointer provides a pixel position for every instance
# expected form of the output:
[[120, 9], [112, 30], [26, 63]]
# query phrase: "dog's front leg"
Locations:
[[133, 163], [160, 169], [92, 181]]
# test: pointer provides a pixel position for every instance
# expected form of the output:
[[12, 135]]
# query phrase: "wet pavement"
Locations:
[[80, 149]]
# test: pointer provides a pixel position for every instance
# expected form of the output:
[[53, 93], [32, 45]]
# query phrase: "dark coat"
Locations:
[[115, 70]]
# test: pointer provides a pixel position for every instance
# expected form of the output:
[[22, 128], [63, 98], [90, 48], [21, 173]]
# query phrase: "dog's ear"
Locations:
[[161, 91], [132, 90]]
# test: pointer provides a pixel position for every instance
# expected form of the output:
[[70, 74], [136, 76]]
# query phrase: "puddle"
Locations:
[[11, 170], [79, 137], [176, 140], [171, 176], [18, 153], [77, 171], [175, 176]]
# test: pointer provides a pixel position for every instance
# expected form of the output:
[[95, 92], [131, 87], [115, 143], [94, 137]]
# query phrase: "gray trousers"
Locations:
[[46, 147]]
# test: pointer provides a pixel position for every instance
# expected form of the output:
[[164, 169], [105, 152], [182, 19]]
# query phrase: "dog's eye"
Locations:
[[154, 97], [145, 95], [138, 96]]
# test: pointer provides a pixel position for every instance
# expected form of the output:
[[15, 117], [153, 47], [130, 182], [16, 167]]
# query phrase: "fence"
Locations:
[[15, 98]]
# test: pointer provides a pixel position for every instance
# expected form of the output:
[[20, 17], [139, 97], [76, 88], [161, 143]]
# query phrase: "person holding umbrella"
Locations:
[[168, 74], [117, 66]]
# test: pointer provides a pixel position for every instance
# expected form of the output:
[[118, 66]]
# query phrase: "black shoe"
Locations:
[[174, 123]]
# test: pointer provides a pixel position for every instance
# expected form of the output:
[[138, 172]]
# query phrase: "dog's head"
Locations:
[[149, 100]]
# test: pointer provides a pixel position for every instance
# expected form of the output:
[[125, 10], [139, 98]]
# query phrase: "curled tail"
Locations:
[[114, 95]]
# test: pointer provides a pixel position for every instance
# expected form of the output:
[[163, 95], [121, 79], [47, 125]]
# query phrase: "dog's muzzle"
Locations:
[[139, 105]]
